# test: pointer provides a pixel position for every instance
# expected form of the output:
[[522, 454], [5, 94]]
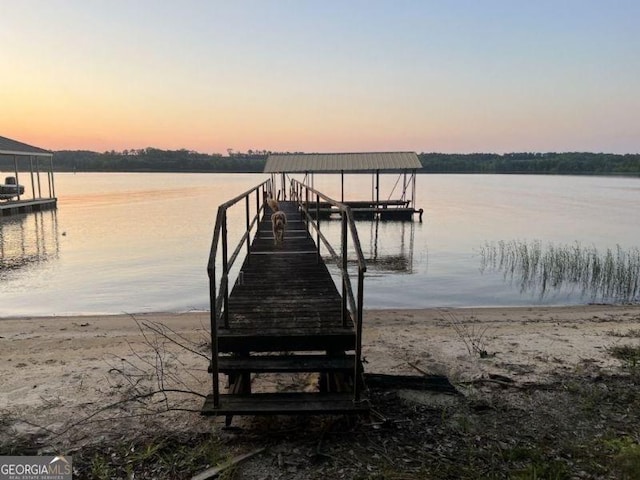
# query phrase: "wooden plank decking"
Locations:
[[299, 403], [17, 207], [285, 315], [369, 209]]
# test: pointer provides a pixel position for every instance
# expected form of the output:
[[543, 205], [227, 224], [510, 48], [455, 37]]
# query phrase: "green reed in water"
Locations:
[[611, 276]]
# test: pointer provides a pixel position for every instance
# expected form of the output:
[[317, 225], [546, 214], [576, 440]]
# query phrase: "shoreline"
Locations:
[[108, 315], [54, 370]]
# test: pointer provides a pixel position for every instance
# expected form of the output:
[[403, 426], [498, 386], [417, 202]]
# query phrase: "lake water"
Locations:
[[133, 242]]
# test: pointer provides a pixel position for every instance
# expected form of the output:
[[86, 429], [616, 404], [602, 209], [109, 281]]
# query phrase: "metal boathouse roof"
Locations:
[[13, 147], [336, 162]]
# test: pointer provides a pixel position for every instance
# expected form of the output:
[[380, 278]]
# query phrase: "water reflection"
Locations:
[[378, 256], [610, 276], [387, 246], [28, 239]]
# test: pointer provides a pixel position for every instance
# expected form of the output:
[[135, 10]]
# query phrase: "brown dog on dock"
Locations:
[[279, 220], [273, 204]]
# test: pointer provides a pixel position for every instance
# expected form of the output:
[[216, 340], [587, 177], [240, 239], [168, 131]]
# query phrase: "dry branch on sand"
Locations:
[[155, 378]]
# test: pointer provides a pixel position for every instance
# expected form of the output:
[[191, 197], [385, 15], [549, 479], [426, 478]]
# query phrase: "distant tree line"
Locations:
[[547, 163], [156, 160]]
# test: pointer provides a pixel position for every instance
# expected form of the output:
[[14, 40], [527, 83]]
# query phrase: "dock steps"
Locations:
[[298, 403], [296, 339], [286, 363]]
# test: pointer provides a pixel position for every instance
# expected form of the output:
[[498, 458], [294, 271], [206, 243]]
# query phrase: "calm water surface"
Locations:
[[140, 242]]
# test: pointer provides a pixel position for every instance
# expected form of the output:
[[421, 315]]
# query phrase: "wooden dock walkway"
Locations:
[[17, 207], [284, 315]]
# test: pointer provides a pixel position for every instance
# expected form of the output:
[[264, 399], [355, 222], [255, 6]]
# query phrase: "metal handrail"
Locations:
[[348, 227], [219, 296]]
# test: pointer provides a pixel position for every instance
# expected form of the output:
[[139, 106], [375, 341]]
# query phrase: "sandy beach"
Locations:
[[51, 368]]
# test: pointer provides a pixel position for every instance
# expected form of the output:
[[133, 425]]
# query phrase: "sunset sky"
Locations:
[[327, 75]]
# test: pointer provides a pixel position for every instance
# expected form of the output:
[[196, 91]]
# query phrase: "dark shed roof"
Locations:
[[335, 162], [13, 147]]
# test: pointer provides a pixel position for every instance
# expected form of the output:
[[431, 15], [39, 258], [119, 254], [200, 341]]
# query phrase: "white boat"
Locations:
[[10, 189]]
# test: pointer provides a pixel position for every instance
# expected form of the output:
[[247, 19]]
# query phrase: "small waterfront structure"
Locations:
[[402, 206], [18, 159]]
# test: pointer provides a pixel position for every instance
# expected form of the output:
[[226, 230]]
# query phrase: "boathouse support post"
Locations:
[[342, 186], [225, 271], [344, 268], [373, 195], [38, 176], [377, 188], [284, 186], [33, 186], [15, 166], [404, 187], [413, 192], [52, 186]]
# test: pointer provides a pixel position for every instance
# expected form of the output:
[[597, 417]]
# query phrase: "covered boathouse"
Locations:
[[400, 203], [22, 164]]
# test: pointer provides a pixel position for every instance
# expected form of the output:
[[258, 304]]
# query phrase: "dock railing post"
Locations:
[[356, 378], [318, 226], [344, 268], [211, 271], [248, 227], [306, 206], [258, 211], [225, 270], [214, 337]]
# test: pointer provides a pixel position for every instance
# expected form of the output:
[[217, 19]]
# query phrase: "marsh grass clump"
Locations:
[[629, 355], [610, 276], [473, 336]]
